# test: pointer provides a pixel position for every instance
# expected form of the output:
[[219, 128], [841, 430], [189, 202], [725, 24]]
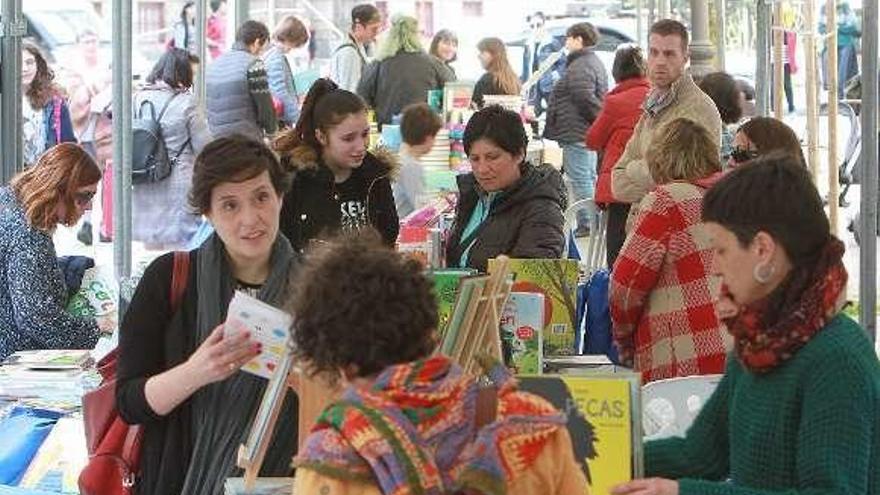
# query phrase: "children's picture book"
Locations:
[[446, 283], [522, 324], [50, 359], [267, 325], [463, 311], [96, 296], [604, 421], [56, 466], [557, 280]]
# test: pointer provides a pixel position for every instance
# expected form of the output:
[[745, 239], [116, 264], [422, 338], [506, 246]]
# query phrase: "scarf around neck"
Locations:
[[222, 412], [801, 307], [413, 431]]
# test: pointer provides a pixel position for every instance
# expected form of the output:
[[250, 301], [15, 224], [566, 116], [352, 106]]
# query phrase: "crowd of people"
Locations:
[[720, 254]]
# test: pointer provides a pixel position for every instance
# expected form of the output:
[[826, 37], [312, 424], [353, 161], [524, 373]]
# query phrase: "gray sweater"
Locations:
[[160, 212], [577, 98]]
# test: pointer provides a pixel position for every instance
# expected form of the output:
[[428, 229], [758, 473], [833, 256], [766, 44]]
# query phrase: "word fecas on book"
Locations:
[[267, 325], [604, 416]]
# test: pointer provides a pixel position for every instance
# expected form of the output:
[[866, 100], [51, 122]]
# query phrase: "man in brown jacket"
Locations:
[[673, 95]]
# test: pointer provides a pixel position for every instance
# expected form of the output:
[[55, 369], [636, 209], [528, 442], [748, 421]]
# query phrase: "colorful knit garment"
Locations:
[[413, 432]]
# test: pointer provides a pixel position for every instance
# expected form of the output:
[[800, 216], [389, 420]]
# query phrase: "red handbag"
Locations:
[[115, 446]]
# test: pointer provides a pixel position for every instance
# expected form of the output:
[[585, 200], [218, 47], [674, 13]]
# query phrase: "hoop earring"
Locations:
[[762, 272]]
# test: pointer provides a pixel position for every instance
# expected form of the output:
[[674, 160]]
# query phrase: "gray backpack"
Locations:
[[149, 157]]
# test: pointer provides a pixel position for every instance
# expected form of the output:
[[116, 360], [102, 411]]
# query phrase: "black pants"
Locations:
[[617, 214]]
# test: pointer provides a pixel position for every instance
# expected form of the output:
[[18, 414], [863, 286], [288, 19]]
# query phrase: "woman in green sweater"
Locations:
[[798, 409]]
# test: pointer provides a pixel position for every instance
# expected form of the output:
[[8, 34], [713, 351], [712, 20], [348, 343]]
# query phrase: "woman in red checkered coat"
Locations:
[[662, 294]]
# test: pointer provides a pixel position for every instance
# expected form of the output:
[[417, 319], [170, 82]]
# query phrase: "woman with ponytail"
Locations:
[[338, 185]]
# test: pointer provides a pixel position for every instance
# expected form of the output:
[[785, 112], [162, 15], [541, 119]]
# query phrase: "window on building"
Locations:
[[472, 8], [150, 19], [425, 16]]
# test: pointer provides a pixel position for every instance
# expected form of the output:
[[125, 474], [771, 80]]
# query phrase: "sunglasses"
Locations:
[[82, 199], [741, 155], [536, 25]]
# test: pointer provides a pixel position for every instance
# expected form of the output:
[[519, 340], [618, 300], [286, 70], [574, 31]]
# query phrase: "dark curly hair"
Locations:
[[361, 306], [725, 93]]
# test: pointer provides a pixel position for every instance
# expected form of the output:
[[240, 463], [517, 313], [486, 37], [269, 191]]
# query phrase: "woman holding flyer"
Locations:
[[179, 370]]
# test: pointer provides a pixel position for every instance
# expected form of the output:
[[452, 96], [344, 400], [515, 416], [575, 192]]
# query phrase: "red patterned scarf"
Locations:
[[770, 331]]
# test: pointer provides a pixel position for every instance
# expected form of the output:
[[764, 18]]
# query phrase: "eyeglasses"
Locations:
[[83, 199], [742, 155], [536, 25]]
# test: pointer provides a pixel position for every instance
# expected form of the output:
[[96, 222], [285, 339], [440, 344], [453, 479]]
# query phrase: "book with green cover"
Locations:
[[522, 323], [445, 290]]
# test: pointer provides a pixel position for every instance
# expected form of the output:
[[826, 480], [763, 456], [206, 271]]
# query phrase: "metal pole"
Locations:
[[721, 26], [272, 8], [13, 28], [242, 12], [201, 30], [868, 254], [812, 88], [778, 70], [762, 71], [122, 137], [833, 83], [640, 24]]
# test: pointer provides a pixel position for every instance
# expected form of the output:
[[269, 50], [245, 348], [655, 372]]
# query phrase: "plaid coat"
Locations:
[[662, 293]]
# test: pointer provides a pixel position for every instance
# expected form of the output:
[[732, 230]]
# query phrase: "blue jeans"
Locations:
[[579, 164]]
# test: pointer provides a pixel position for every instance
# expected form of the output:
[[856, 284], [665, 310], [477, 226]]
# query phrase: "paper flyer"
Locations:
[[267, 325]]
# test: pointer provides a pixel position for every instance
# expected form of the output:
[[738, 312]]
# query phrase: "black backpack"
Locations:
[[150, 161]]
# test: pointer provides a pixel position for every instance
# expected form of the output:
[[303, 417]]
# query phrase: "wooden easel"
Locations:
[[252, 452], [479, 332]]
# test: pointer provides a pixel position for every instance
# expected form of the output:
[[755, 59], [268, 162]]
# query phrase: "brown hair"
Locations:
[[291, 30], [683, 150], [443, 35], [499, 67], [419, 122], [43, 87], [356, 282], [722, 88], [588, 33], [628, 63], [324, 107], [234, 158], [769, 134], [670, 27], [53, 180]]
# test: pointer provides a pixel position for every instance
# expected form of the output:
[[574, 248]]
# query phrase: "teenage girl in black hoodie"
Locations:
[[338, 184]]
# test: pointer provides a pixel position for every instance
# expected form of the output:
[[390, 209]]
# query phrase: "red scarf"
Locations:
[[770, 331]]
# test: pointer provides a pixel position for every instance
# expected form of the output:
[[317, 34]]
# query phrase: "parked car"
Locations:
[[610, 39]]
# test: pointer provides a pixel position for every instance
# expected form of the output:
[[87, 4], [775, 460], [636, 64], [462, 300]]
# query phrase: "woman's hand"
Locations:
[[106, 323], [220, 356], [649, 486]]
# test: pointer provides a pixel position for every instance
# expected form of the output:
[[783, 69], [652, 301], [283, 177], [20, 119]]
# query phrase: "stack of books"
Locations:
[[58, 377], [439, 177]]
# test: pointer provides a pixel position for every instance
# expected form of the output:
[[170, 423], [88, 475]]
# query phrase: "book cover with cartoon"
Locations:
[[557, 280], [522, 324], [603, 421], [446, 286]]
